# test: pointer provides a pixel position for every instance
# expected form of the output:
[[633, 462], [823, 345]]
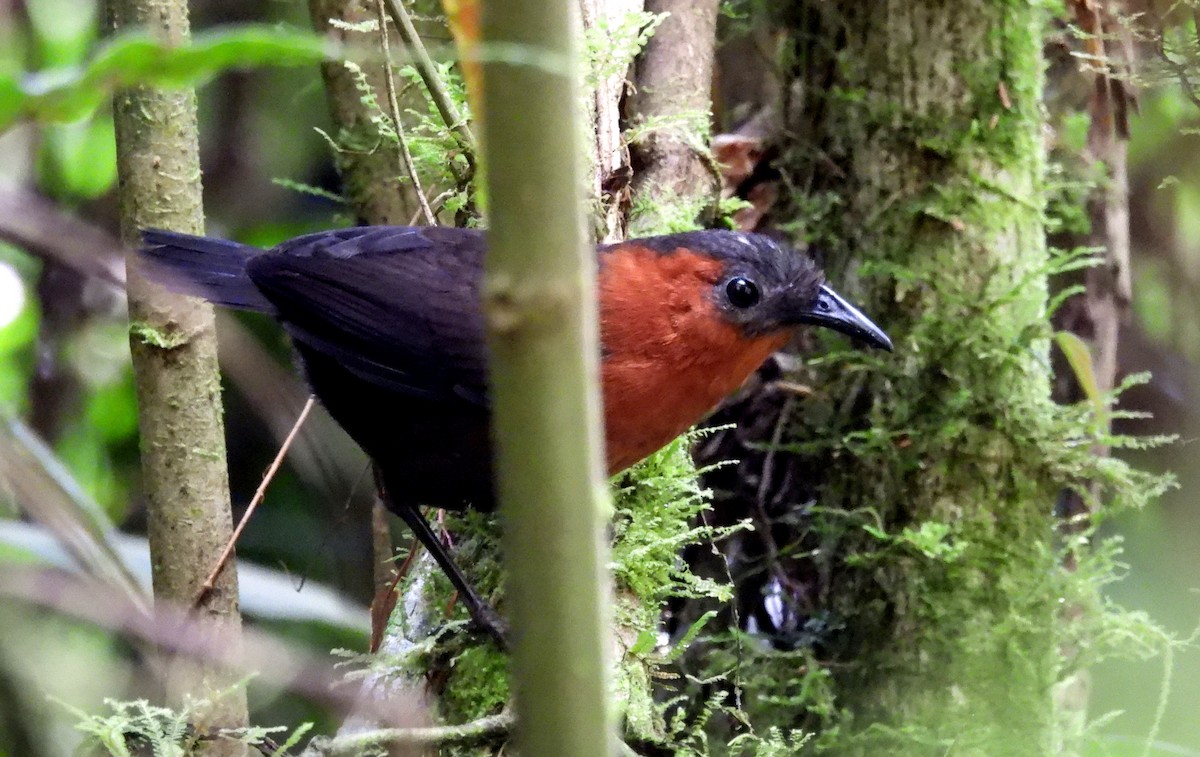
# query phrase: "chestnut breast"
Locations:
[[668, 355]]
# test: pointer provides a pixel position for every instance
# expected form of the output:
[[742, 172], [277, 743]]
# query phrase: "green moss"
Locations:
[[666, 215], [137, 726], [478, 684], [660, 511], [658, 503], [610, 46], [147, 334]]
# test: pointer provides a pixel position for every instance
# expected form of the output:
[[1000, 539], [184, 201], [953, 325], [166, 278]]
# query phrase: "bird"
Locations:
[[390, 335]]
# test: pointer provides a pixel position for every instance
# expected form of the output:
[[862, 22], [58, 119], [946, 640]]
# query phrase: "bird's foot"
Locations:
[[485, 619]]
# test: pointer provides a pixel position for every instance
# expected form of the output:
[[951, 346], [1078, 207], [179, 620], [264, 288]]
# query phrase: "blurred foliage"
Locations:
[[138, 726], [74, 91], [18, 335], [1148, 707]]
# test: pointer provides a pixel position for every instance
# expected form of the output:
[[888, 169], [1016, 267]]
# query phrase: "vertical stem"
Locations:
[[173, 343], [433, 82], [539, 300]]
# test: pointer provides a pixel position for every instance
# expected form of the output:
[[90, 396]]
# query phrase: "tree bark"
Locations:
[[540, 307], [173, 344], [912, 142], [369, 165], [609, 154], [673, 85]]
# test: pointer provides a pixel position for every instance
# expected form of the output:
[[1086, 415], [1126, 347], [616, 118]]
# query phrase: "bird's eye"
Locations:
[[742, 292]]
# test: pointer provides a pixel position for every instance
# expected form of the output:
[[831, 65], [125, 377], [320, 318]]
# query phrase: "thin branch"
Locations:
[[406, 161], [210, 582], [437, 204], [173, 345], [459, 735], [764, 490], [433, 82]]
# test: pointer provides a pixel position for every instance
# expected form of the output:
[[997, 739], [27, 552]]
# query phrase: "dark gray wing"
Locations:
[[397, 306]]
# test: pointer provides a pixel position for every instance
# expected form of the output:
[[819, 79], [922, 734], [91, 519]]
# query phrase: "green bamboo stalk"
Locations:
[[539, 299], [173, 343]]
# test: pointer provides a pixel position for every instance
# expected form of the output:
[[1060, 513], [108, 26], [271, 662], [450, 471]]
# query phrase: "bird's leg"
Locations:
[[481, 612]]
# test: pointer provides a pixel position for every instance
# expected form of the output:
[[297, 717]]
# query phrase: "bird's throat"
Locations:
[[669, 356]]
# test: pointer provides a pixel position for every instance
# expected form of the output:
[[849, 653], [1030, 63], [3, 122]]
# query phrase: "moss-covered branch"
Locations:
[[455, 735]]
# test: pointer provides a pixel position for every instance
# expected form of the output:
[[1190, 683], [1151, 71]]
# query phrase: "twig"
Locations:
[[437, 204], [764, 486], [385, 598], [381, 544], [211, 581], [466, 733], [429, 74], [272, 658], [406, 161]]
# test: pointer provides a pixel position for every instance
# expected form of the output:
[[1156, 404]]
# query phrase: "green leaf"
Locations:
[[1079, 357], [79, 159], [63, 29], [690, 635], [136, 58], [646, 641]]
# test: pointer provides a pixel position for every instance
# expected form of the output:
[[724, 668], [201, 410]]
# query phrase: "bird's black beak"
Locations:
[[833, 312]]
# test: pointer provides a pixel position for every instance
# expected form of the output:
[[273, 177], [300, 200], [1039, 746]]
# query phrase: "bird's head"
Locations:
[[765, 288]]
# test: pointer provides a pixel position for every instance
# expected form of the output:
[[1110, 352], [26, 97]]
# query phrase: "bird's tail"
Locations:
[[214, 269]]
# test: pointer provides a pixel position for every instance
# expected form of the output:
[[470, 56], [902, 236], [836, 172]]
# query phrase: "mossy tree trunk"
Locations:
[[174, 349], [368, 165], [914, 155], [673, 78]]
